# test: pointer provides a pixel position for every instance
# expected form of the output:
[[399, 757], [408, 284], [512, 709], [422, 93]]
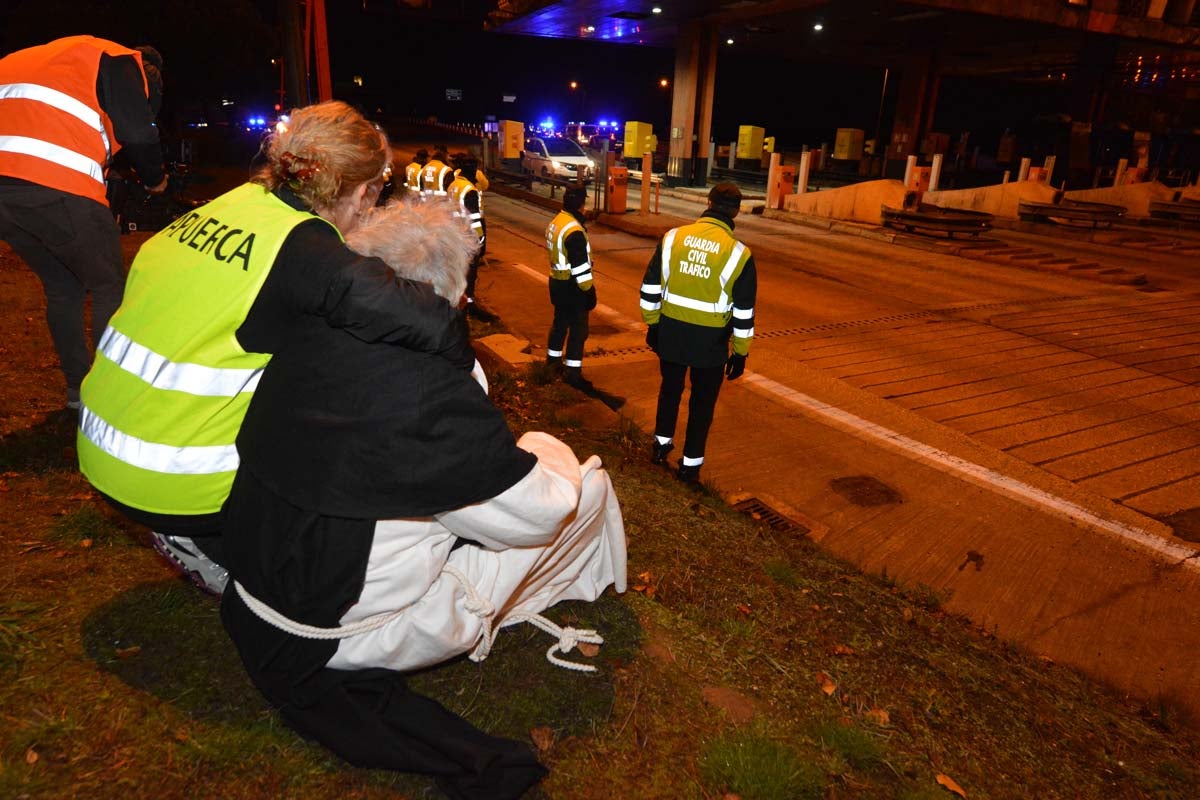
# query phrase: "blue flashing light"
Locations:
[[603, 123], [546, 124]]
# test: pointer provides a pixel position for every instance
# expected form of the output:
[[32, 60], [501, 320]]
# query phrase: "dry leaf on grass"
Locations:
[[948, 782], [645, 584], [588, 649], [843, 650], [85, 544], [826, 683], [31, 756], [879, 716], [543, 738], [128, 652]]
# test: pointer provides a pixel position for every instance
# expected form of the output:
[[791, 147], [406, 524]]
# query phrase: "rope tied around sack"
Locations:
[[476, 604]]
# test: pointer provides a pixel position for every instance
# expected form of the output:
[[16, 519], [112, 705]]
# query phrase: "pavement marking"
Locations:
[[989, 478], [1030, 495], [606, 311]]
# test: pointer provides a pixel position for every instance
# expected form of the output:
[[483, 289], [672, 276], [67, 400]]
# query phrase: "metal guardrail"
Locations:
[[1181, 210], [928, 217], [1072, 211]]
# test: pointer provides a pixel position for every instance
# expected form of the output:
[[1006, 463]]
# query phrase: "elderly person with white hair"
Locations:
[[384, 519]]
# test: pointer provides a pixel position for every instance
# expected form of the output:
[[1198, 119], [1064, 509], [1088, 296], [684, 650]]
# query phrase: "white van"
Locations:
[[554, 157]]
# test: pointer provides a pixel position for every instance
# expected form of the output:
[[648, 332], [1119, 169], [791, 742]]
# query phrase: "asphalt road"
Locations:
[[1023, 438]]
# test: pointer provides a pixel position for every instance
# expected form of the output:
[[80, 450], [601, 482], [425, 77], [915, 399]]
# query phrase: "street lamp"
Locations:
[[663, 82]]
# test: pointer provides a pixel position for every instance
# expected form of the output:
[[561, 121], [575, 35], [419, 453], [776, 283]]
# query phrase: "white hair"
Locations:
[[420, 241]]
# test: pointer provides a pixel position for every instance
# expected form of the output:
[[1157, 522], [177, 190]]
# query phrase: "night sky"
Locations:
[[221, 50]]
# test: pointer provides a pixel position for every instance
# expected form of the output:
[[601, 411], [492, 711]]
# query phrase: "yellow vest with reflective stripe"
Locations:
[[433, 175], [557, 232], [700, 263], [165, 398], [412, 177]]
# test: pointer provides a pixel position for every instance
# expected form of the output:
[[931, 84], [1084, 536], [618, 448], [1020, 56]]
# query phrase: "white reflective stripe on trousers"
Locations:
[[170, 459], [161, 373], [61, 101], [55, 153]]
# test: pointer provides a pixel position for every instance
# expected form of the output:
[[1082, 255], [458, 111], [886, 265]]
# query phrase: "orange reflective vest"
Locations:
[[53, 131]]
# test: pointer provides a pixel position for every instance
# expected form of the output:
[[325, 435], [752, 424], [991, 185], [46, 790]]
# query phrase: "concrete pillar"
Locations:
[[712, 158], [802, 178], [1023, 173], [935, 172], [709, 47], [1048, 165], [1119, 175], [732, 154], [909, 166], [691, 99], [916, 102], [647, 178], [773, 193]]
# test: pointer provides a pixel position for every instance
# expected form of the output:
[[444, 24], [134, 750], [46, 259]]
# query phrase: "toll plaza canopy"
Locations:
[[1139, 59]]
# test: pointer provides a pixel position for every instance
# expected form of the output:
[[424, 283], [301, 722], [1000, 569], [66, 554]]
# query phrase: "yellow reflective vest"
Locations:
[[165, 398], [433, 179], [700, 263], [561, 268], [458, 192], [412, 178]]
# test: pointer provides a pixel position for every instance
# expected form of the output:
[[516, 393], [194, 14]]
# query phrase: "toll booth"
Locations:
[[511, 138], [616, 192], [750, 142], [639, 137], [848, 144]]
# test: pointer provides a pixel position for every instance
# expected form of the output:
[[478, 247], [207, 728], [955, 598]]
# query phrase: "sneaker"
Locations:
[[689, 475], [195, 566], [660, 452]]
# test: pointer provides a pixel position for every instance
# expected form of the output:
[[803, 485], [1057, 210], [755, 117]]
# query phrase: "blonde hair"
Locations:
[[323, 151], [422, 242]]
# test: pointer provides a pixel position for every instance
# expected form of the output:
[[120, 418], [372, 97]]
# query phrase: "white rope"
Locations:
[[476, 604], [289, 625]]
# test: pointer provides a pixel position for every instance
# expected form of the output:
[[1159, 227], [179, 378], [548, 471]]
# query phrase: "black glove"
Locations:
[[734, 367], [652, 337], [590, 298]]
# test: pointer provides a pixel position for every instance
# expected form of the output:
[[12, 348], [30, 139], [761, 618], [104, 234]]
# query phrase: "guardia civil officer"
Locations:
[[697, 294], [572, 292], [66, 108], [412, 174], [468, 205], [436, 175]]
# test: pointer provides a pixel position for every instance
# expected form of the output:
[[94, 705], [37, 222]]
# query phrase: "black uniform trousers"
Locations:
[[73, 245], [570, 320], [706, 385]]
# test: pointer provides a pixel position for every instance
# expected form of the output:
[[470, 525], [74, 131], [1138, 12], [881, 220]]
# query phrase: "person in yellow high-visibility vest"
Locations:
[[468, 206], [698, 294], [412, 174], [211, 297], [572, 289]]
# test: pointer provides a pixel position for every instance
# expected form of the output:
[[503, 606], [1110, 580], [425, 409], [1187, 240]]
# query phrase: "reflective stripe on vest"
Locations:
[[557, 232], [412, 177], [693, 282], [433, 179], [166, 395], [53, 131]]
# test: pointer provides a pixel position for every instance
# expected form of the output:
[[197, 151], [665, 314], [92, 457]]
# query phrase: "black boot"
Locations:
[[689, 475], [574, 377], [660, 451]]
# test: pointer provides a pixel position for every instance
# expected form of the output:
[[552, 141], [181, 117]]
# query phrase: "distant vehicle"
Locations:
[[581, 132], [615, 145], [556, 158]]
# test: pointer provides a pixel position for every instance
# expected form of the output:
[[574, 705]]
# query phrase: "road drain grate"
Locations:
[[759, 511]]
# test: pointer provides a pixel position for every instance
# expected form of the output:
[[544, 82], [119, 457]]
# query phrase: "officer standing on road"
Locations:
[[571, 291], [66, 108], [412, 174], [435, 175], [468, 204], [699, 289]]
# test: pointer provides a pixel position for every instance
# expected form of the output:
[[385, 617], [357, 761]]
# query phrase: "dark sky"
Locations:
[[221, 49]]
